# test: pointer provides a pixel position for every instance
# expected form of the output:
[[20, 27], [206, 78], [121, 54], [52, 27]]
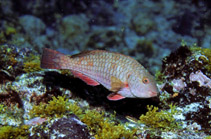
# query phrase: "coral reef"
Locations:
[[185, 80], [98, 124], [52, 100], [12, 60]]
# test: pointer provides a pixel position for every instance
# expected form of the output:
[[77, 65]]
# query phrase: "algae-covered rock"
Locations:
[[66, 127], [73, 31], [186, 82], [141, 24], [70, 127], [32, 25], [12, 59], [107, 38]]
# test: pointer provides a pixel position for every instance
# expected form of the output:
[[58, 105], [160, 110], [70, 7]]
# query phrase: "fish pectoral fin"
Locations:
[[115, 96], [116, 84], [85, 78]]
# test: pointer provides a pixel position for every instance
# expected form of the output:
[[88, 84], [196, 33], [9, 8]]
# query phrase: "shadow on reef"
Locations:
[[97, 96]]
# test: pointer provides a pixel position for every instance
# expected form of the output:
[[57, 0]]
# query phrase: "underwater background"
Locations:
[[172, 39]]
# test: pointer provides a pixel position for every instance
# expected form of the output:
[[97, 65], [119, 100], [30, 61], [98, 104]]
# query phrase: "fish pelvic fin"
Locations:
[[52, 59], [115, 96]]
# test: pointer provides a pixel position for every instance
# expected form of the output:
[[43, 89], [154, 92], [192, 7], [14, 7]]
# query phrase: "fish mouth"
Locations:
[[153, 94]]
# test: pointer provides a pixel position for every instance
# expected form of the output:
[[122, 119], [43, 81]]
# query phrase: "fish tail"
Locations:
[[52, 59]]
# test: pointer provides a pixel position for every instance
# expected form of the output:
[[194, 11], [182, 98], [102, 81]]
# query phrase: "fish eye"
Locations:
[[145, 80]]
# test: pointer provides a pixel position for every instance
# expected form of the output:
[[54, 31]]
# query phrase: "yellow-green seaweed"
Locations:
[[7, 57], [10, 30], [56, 107], [103, 127], [31, 64], [2, 108], [160, 119], [159, 77], [9, 132], [100, 126], [206, 56], [7, 31]]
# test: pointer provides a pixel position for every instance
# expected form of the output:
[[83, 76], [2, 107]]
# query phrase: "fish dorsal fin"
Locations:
[[85, 78], [85, 53], [116, 84], [82, 54], [115, 96]]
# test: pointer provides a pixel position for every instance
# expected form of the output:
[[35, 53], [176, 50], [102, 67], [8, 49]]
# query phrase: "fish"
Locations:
[[122, 75], [36, 121]]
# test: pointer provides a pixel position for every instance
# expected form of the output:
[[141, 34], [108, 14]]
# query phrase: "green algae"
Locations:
[[31, 64], [10, 132], [163, 119], [56, 107], [2, 108], [99, 124], [104, 127], [73, 108], [7, 57], [159, 77], [6, 33], [12, 115], [10, 30], [205, 56]]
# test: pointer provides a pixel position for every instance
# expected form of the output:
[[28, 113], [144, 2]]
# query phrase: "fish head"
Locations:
[[142, 85]]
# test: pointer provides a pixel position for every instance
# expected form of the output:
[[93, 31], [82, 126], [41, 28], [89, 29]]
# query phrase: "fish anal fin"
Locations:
[[85, 78], [117, 84], [115, 96]]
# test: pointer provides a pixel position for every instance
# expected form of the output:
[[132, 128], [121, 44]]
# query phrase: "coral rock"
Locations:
[[70, 127]]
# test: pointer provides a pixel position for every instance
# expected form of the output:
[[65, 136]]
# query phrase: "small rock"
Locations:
[[70, 127]]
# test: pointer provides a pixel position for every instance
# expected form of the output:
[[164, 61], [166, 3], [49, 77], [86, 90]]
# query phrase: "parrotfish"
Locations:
[[122, 75]]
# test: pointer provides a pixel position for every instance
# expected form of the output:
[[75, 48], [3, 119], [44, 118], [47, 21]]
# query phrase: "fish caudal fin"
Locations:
[[52, 59]]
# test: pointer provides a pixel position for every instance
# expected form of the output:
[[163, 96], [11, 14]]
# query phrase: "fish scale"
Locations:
[[100, 64], [119, 73]]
